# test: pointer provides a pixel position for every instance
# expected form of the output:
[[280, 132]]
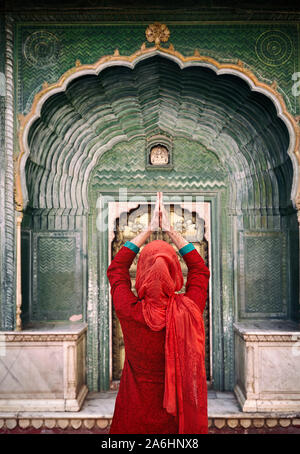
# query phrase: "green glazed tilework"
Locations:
[[265, 275], [57, 277], [216, 123], [194, 167], [45, 51]]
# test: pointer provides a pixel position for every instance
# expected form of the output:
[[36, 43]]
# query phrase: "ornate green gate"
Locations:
[[224, 143]]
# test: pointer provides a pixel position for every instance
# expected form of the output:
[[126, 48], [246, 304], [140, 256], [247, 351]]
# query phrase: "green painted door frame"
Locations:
[[98, 292]]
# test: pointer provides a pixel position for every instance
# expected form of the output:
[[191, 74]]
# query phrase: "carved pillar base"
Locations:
[[43, 369], [267, 365]]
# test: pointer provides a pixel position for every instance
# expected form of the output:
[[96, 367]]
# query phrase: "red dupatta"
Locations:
[[158, 277]]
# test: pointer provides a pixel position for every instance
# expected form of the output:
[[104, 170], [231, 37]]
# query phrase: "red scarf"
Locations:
[[158, 277]]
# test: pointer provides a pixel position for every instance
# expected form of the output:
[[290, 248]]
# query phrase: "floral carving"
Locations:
[[157, 33]]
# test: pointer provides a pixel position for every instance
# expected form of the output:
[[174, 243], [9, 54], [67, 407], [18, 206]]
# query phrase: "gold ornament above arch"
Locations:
[[116, 59]]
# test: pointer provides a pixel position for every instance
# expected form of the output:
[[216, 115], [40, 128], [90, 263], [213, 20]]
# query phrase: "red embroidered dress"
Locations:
[[140, 402]]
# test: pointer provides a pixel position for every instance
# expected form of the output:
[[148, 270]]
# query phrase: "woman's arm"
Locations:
[[119, 277], [196, 286], [175, 236], [140, 239], [118, 271], [198, 273]]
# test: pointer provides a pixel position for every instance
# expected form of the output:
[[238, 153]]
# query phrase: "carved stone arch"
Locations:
[[257, 146], [83, 161]]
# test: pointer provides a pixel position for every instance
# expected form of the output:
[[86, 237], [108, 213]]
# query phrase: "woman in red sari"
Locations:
[[163, 384]]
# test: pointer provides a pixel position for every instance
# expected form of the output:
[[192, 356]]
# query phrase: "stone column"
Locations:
[[2, 164], [18, 277], [7, 227], [298, 217]]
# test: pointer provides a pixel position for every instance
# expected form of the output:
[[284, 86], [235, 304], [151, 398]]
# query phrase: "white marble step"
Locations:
[[101, 406]]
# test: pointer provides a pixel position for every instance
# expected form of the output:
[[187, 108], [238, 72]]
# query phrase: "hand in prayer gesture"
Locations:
[[155, 222], [164, 216], [160, 219]]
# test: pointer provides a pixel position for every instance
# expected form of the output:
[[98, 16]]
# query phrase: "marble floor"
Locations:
[[101, 405]]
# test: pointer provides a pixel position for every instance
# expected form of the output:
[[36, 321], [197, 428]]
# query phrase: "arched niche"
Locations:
[[219, 111], [234, 143]]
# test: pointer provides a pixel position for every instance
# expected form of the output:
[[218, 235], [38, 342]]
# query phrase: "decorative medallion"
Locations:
[[159, 152], [159, 155], [41, 48], [157, 33], [273, 48]]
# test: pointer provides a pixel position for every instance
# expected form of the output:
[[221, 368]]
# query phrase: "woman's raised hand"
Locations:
[[176, 237], [164, 216], [160, 217], [153, 226], [155, 220]]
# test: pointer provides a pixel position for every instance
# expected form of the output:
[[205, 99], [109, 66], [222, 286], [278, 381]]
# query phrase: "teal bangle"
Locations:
[[187, 248], [132, 246]]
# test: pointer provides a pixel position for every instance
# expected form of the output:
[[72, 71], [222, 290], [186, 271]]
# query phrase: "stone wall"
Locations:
[[2, 164], [46, 50], [46, 46]]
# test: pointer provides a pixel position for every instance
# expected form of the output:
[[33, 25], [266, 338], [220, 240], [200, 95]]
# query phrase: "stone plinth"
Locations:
[[267, 366], [95, 416], [43, 369]]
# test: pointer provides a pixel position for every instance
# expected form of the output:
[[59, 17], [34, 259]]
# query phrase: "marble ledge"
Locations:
[[51, 328], [267, 327], [45, 332]]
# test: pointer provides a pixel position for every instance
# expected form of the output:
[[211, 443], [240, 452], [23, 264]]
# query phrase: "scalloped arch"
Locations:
[[239, 139]]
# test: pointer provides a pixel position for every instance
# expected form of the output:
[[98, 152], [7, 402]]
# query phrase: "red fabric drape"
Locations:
[[158, 278]]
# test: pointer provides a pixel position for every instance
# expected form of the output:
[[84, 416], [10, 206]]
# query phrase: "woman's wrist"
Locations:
[[140, 239], [149, 229], [176, 237]]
